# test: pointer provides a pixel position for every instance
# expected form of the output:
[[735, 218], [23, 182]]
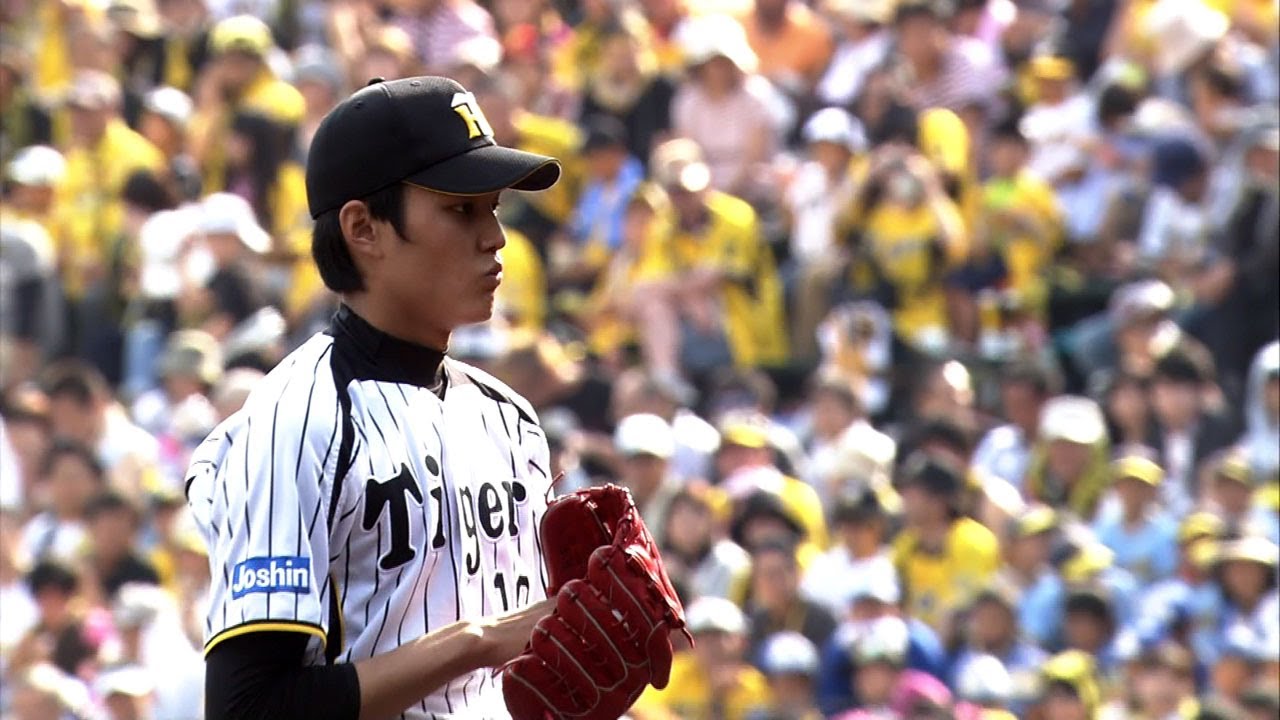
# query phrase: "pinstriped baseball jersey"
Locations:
[[371, 491]]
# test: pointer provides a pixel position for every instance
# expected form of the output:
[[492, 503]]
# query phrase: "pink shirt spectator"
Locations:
[[439, 32], [725, 129]]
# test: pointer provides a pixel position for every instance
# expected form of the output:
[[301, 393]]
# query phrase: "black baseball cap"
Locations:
[[425, 131]]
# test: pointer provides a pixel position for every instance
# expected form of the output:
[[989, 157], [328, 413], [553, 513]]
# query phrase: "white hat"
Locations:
[[1074, 419], [229, 214], [884, 638], [985, 680], [645, 434], [171, 104], [710, 614], [1140, 299], [709, 36], [876, 11], [835, 125], [879, 586], [37, 165], [130, 680], [788, 653], [1182, 30]]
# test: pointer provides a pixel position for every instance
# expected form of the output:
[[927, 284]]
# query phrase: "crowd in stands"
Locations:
[[936, 339]]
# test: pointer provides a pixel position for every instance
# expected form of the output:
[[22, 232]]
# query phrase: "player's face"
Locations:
[[445, 271]]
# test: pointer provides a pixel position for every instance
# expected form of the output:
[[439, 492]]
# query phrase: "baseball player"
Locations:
[[373, 514]]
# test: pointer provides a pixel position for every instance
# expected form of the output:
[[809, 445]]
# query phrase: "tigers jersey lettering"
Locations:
[[351, 482]]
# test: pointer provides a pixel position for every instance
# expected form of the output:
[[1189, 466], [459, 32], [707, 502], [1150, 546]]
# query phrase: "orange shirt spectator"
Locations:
[[794, 45]]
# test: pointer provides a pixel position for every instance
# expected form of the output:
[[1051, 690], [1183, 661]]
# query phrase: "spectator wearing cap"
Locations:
[[1245, 570], [986, 683], [114, 556], [32, 178], [793, 43], [714, 679], [1083, 562], [879, 654], [776, 603], [1230, 487], [1028, 545], [1262, 413], [695, 550], [1188, 429], [723, 107], [942, 557], [821, 186], [1136, 329], [790, 662], [1059, 123], [1188, 604], [946, 70], [127, 692], [1174, 239], [165, 120], [630, 88], [595, 228], [1069, 687], [846, 454], [724, 270], [863, 43], [190, 366], [637, 390], [646, 445], [859, 554], [1004, 453], [1069, 465], [1140, 533], [746, 466], [233, 288], [104, 153], [238, 79], [874, 598]]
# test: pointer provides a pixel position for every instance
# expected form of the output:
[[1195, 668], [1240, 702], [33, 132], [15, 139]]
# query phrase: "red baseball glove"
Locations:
[[609, 635]]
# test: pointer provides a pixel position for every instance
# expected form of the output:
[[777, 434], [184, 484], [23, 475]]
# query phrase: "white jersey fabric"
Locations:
[[371, 491]]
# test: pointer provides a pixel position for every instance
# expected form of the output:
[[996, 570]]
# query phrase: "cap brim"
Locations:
[[489, 169]]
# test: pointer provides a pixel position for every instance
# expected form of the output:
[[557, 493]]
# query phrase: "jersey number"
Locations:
[[521, 590], [391, 494]]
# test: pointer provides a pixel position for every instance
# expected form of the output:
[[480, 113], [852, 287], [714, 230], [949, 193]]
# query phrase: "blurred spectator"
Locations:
[[1028, 550], [790, 662], [1070, 687], [821, 187], [1230, 488], [31, 323], [24, 422], [646, 444], [991, 630], [1069, 465], [230, 287], [1141, 534], [635, 391], [722, 108], [1090, 625], [630, 88], [943, 70], [81, 408], [943, 557], [1059, 125], [1004, 452], [859, 555], [70, 476], [708, 566], [26, 121], [126, 692], [776, 604], [712, 680], [166, 117], [879, 654], [863, 42], [1245, 570], [792, 42], [985, 682], [113, 554], [68, 634], [1262, 413], [1188, 428]]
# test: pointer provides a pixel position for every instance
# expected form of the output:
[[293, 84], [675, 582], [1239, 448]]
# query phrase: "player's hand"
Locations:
[[505, 636]]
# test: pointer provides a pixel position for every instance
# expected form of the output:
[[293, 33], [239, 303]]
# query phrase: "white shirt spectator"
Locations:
[[1055, 133], [834, 577], [850, 65], [1003, 453]]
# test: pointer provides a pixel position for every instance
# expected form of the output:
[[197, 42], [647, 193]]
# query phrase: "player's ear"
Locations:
[[358, 230]]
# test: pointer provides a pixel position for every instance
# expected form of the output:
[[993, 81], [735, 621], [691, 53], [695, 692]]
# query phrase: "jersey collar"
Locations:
[[394, 359]]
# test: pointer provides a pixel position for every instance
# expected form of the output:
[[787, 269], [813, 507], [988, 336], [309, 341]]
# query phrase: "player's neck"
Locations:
[[396, 323]]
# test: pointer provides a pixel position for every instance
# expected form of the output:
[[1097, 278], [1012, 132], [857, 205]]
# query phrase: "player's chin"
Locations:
[[479, 309]]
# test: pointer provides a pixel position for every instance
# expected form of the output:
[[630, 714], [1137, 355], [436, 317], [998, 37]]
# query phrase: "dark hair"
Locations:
[[110, 501], [329, 246], [1044, 380], [1116, 101], [50, 574], [785, 548], [1185, 365], [65, 447], [271, 143], [1223, 78], [143, 189], [75, 379]]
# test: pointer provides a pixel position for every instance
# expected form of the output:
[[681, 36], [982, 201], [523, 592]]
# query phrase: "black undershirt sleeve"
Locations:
[[261, 675]]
